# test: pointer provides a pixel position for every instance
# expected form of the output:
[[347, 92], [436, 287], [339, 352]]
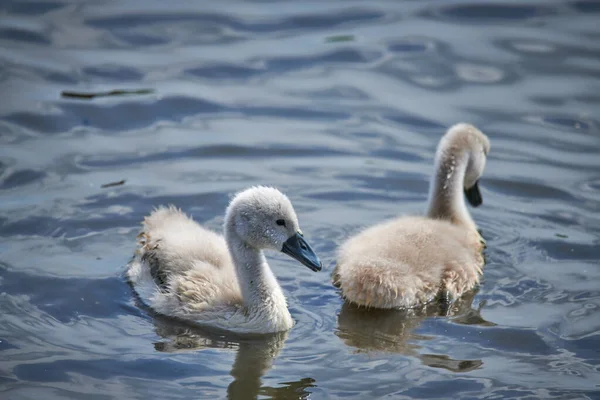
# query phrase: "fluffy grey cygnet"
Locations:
[[405, 262], [185, 271]]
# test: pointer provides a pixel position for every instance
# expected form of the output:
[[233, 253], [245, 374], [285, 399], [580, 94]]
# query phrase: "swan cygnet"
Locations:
[[406, 262], [185, 271]]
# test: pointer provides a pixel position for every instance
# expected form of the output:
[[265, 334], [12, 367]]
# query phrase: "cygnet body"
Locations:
[[185, 271], [407, 261]]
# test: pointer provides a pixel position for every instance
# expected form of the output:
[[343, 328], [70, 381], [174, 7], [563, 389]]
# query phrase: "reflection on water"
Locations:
[[254, 356], [368, 329]]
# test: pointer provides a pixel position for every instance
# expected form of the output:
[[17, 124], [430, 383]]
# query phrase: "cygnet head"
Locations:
[[464, 140], [264, 218]]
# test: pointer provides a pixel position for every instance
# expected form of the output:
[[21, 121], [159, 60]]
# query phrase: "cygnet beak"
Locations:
[[474, 195], [297, 248]]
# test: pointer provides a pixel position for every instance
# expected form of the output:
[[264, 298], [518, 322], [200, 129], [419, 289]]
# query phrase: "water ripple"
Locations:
[[479, 13], [303, 21]]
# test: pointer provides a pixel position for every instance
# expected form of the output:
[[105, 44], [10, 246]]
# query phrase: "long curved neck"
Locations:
[[260, 291], [446, 198]]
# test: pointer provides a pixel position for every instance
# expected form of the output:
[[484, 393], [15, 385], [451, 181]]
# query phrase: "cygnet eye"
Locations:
[[280, 222]]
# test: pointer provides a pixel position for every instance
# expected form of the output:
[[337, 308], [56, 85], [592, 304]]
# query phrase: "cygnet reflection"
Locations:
[[372, 330], [254, 358]]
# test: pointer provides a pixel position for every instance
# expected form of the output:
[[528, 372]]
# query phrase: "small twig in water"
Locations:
[[91, 95], [111, 184]]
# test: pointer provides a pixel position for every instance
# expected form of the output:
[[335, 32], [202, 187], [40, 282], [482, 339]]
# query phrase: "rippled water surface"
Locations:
[[341, 105]]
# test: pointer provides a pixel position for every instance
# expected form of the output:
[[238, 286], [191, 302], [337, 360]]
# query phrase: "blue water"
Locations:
[[339, 104]]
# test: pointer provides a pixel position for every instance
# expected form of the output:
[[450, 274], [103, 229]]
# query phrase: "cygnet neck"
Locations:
[[260, 291], [446, 198]]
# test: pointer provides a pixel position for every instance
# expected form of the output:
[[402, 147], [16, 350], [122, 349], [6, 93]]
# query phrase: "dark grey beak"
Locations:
[[297, 248], [474, 195]]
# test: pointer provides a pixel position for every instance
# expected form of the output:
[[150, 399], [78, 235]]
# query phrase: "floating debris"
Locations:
[[112, 184], [339, 38], [560, 235], [91, 95]]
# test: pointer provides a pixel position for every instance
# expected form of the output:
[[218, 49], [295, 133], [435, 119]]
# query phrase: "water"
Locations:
[[339, 104]]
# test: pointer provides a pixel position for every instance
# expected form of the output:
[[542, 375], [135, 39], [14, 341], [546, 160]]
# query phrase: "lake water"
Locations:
[[339, 104]]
